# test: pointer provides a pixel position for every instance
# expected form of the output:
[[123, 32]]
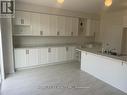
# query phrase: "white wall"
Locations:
[[24, 41], [6, 27], [111, 29], [50, 10]]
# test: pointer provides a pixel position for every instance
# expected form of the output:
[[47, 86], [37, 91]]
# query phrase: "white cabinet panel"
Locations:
[[43, 55], [22, 18], [21, 23], [20, 58], [89, 31], [75, 23], [45, 25], [52, 55], [61, 26], [125, 20], [68, 26], [70, 53], [35, 24], [32, 57], [53, 25], [61, 54], [36, 56]]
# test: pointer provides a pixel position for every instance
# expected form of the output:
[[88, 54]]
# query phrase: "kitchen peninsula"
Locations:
[[108, 68]]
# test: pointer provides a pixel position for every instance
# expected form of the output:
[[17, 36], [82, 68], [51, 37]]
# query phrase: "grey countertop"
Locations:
[[46, 45], [97, 52]]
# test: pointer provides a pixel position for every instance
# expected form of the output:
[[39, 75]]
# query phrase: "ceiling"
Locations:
[[87, 6]]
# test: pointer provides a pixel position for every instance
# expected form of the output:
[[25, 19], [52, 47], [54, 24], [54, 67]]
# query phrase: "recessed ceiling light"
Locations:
[[108, 3], [60, 1]]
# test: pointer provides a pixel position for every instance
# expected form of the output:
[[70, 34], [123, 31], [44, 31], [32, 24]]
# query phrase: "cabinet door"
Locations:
[[32, 57], [52, 55], [43, 56], [61, 26], [22, 18], [20, 58], [44, 25], [125, 20], [70, 53], [61, 54], [89, 31], [35, 24], [75, 23], [123, 77], [68, 26], [53, 25]]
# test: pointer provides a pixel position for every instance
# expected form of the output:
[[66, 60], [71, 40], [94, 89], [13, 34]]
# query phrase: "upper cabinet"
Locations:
[[125, 19], [35, 24], [75, 23], [53, 25], [89, 28], [61, 26], [68, 26], [21, 24], [22, 18], [44, 25]]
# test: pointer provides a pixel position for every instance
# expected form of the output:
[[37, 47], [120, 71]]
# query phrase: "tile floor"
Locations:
[[62, 79]]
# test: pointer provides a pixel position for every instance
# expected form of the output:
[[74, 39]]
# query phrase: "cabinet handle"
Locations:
[[86, 53], [49, 50], [41, 32], [122, 63], [22, 21], [71, 33], [27, 51], [66, 48], [58, 33]]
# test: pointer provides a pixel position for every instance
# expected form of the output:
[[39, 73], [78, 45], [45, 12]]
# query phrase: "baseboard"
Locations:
[[42, 65]]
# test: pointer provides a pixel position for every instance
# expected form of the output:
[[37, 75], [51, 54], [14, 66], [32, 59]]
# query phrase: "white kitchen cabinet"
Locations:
[[61, 26], [123, 77], [22, 18], [125, 20], [68, 26], [44, 25], [93, 29], [52, 55], [32, 57], [89, 28], [75, 23], [70, 55], [43, 56], [26, 57], [21, 24], [53, 25], [29, 57], [20, 58], [35, 24], [61, 54]]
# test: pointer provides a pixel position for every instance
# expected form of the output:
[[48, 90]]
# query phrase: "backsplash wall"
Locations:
[[21, 41]]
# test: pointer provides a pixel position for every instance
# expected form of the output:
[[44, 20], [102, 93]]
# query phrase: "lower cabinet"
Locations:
[[52, 55], [43, 56], [20, 58], [27, 57]]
